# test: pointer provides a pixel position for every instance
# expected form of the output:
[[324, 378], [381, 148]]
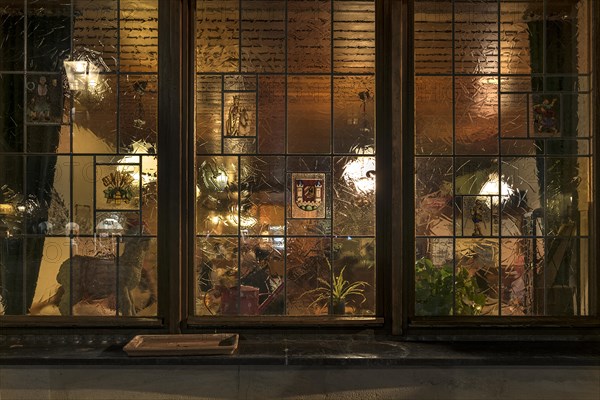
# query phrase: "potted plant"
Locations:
[[336, 293], [439, 291]]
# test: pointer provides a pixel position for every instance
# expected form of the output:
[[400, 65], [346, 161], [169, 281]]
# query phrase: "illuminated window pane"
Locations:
[[502, 157], [78, 157], [285, 160]]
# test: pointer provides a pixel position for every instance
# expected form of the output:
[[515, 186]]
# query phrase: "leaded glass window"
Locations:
[[285, 165], [78, 157], [503, 169]]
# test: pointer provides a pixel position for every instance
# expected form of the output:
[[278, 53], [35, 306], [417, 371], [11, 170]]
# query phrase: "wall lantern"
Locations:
[[495, 190], [221, 180], [360, 171], [150, 164], [81, 74]]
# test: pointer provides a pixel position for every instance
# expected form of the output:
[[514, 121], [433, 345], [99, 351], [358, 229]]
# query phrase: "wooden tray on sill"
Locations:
[[183, 345]]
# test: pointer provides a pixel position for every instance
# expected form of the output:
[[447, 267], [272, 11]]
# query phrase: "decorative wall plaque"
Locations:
[[44, 95], [546, 113], [308, 195], [117, 187]]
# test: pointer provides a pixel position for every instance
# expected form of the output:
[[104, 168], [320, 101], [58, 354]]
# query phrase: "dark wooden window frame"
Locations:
[[193, 323], [395, 205], [402, 166]]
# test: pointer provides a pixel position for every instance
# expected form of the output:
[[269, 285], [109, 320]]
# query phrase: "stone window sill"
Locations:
[[317, 349]]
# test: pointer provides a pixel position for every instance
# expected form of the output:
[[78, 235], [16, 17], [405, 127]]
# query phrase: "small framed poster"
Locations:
[[546, 115]]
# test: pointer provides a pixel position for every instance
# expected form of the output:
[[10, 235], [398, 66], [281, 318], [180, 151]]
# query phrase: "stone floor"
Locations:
[[322, 366], [172, 382]]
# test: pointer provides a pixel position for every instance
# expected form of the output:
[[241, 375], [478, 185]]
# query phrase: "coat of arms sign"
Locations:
[[308, 195]]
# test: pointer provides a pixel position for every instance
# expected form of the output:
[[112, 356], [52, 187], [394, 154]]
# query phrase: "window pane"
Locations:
[[48, 34], [271, 114], [95, 118], [476, 36], [78, 158], [309, 36], [11, 112], [475, 115], [95, 30], [354, 260], [138, 35], [502, 211], [433, 37], [12, 21], [216, 272], [309, 113], [353, 113], [433, 115], [263, 36], [285, 158], [354, 36], [217, 36]]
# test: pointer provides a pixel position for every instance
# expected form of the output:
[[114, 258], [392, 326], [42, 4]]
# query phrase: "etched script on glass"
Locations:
[[433, 37], [354, 36], [139, 35], [476, 36], [309, 36], [95, 33], [208, 114], [263, 36], [217, 35], [515, 33]]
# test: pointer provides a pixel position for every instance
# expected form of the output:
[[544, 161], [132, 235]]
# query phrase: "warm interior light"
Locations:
[[109, 225], [360, 172], [79, 66], [75, 71], [491, 80], [131, 161], [495, 189], [7, 209], [92, 76], [214, 177], [246, 222], [81, 75], [221, 180]]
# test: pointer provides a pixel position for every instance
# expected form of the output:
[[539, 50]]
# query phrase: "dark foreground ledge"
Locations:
[[318, 349]]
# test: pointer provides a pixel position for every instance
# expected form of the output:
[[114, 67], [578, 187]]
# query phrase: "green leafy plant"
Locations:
[[338, 291], [434, 294]]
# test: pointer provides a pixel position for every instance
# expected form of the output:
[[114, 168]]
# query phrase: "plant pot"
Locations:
[[338, 307]]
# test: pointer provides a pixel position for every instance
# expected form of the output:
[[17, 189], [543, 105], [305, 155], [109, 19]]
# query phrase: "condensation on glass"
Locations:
[[78, 157], [503, 163], [285, 165]]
